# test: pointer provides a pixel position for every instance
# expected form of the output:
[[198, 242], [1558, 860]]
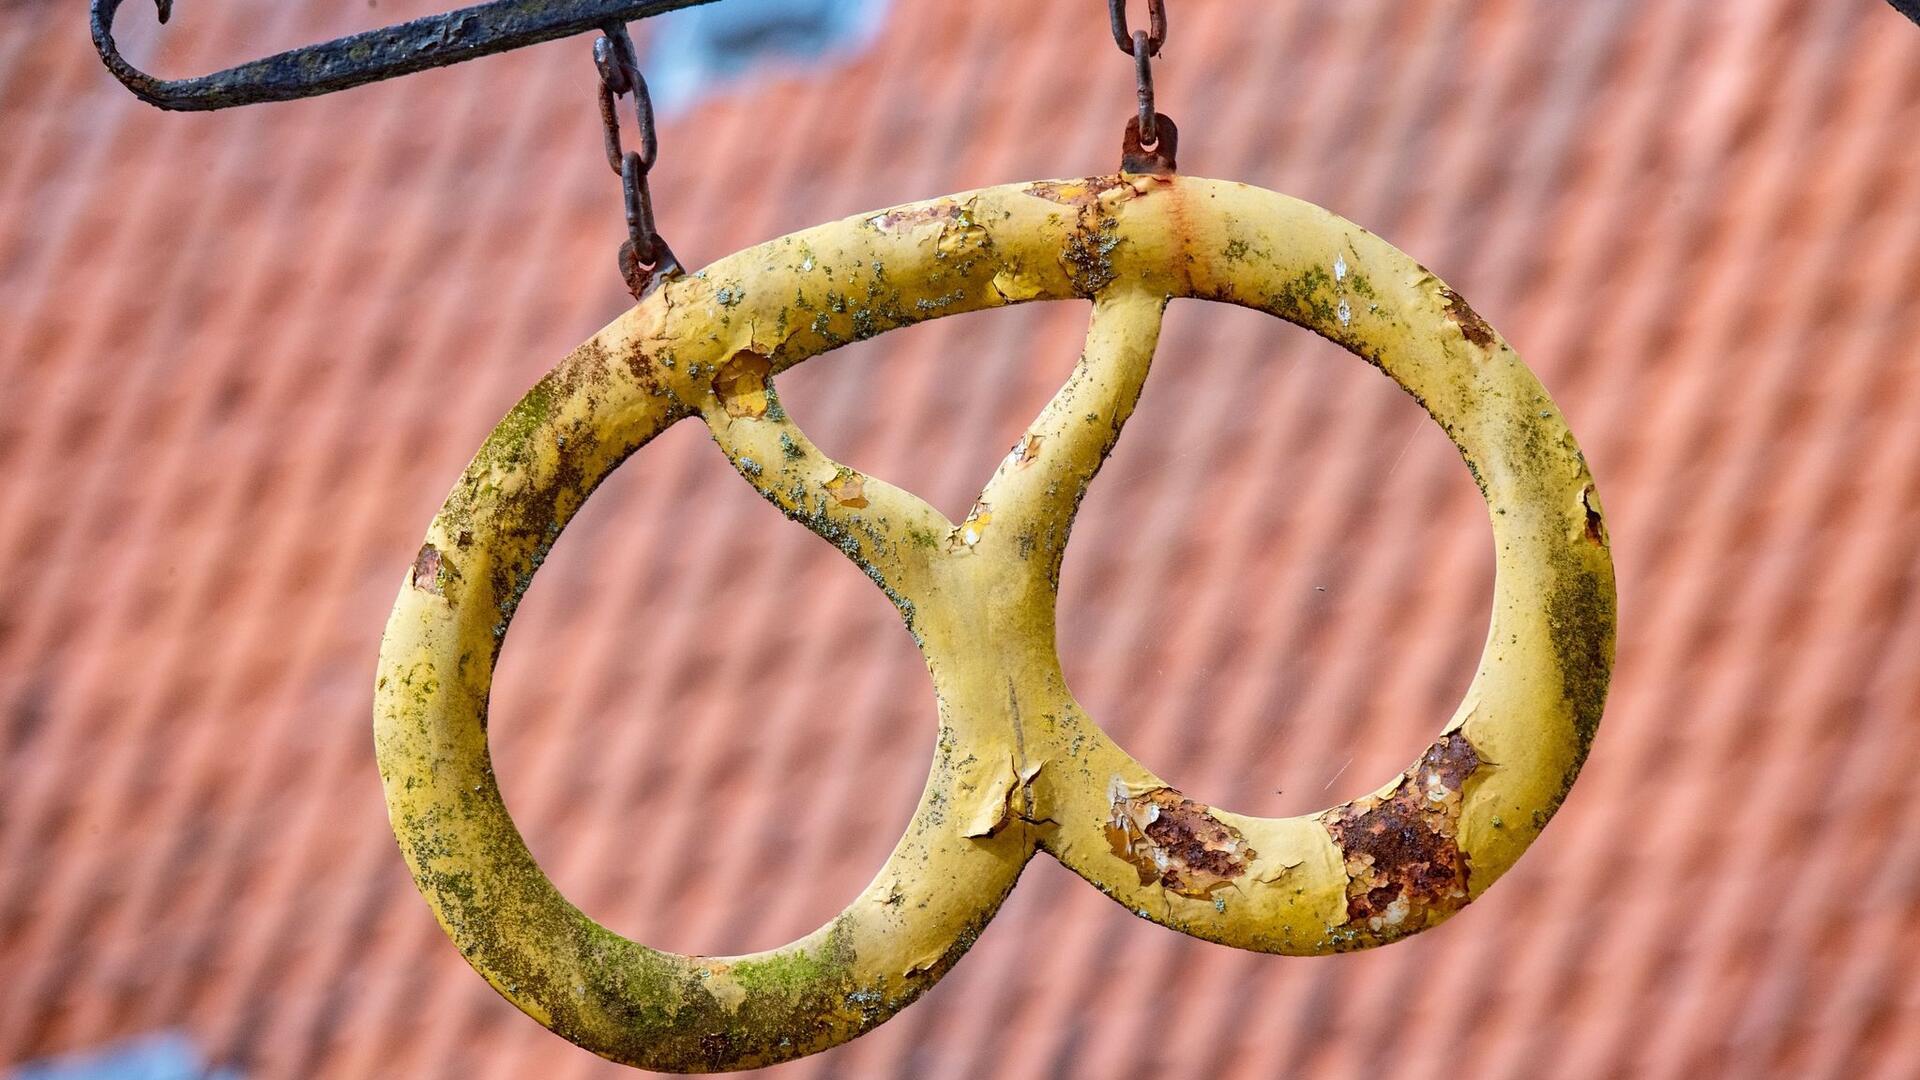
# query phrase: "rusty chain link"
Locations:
[[644, 258], [1123, 37], [1143, 82], [1143, 46], [1150, 136]]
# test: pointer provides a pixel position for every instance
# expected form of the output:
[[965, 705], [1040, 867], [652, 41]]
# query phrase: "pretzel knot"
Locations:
[[1020, 767]]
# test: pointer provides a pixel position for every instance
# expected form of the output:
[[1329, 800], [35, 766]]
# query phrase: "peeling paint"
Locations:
[[1175, 842], [1013, 284], [1008, 798], [1026, 451], [1471, 324], [426, 570], [903, 218], [1596, 528], [848, 488], [970, 532], [741, 383], [1402, 854]]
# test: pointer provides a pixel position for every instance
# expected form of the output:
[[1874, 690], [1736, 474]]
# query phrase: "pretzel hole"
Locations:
[[977, 380], [654, 722], [1334, 644]]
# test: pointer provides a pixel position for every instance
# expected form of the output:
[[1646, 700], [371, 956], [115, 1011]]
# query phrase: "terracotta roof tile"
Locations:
[[245, 354]]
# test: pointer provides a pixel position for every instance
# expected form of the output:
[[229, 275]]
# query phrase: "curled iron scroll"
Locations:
[[370, 56]]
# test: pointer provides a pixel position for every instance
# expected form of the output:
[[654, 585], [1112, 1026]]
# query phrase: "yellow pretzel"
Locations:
[[1018, 766]]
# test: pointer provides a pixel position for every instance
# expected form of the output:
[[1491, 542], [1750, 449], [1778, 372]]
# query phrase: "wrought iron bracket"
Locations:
[[370, 56]]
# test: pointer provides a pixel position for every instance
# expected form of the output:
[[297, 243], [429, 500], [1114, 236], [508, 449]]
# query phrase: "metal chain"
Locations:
[[1142, 45], [644, 257], [1123, 37], [1150, 137], [1143, 87]]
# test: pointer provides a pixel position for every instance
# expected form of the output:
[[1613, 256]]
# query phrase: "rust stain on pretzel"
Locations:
[[1590, 510], [1176, 842], [1471, 324], [1403, 860]]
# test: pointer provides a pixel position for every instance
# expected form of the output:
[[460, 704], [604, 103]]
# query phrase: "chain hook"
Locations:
[[645, 259]]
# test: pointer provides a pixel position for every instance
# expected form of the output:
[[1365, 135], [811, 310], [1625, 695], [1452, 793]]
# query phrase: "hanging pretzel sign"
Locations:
[[1019, 766]]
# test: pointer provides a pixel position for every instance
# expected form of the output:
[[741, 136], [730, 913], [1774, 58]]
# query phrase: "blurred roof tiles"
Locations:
[[243, 356]]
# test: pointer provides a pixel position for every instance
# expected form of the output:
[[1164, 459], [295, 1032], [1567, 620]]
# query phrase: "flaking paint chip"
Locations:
[[1027, 450], [959, 235], [1401, 850], [741, 384], [1177, 843], [1014, 284], [848, 488], [974, 529], [426, 570], [1278, 869]]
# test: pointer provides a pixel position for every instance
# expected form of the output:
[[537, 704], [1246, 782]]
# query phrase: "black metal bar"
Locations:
[[373, 55]]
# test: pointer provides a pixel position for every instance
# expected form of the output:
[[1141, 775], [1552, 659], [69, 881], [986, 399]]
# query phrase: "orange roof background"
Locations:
[[243, 356]]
